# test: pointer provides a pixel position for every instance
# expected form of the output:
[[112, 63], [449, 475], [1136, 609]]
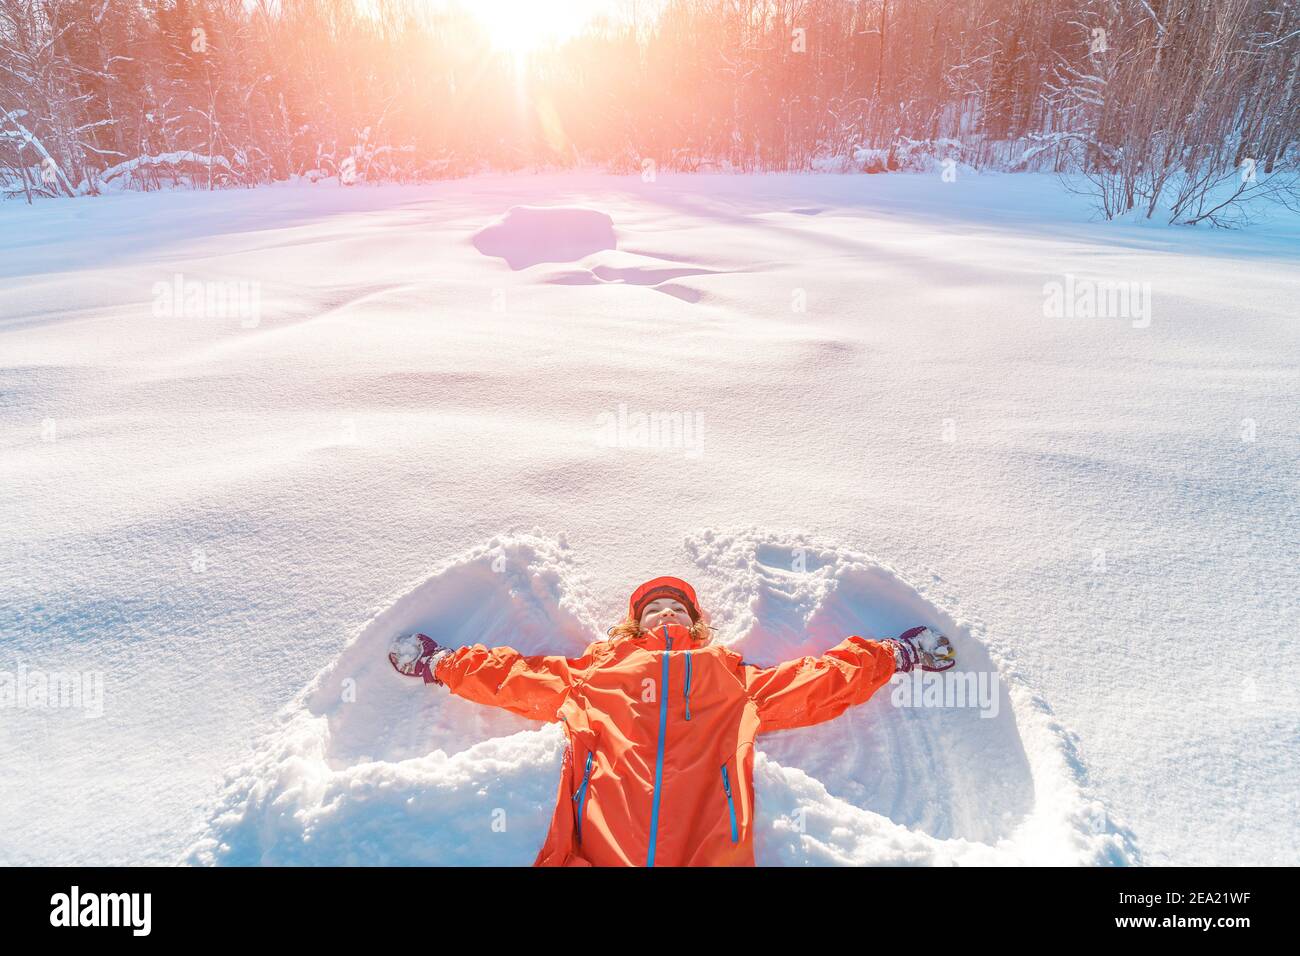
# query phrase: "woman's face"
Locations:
[[663, 611]]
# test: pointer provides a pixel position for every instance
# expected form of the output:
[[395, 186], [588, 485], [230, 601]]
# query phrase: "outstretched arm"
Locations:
[[812, 690], [532, 686]]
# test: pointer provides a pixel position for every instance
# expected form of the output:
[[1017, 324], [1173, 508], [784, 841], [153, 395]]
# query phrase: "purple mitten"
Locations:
[[415, 655], [920, 645]]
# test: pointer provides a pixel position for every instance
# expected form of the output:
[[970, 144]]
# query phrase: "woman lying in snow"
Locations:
[[661, 724]]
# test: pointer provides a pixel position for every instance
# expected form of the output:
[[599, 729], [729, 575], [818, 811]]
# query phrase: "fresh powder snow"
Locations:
[[252, 436]]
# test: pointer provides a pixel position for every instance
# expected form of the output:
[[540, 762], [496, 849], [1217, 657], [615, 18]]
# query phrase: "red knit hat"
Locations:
[[675, 588]]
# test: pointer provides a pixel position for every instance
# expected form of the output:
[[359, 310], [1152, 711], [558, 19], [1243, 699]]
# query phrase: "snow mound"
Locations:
[[368, 767], [527, 235]]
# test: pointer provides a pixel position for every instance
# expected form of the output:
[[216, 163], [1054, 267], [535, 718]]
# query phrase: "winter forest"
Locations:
[[1159, 104]]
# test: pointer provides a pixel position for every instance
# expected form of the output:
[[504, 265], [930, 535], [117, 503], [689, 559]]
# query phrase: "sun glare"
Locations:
[[521, 26]]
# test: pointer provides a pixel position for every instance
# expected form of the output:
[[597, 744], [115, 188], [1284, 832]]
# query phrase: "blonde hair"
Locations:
[[700, 632]]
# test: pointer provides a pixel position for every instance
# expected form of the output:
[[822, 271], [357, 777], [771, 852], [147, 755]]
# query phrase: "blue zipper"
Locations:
[[659, 758], [688, 685], [581, 795], [731, 807]]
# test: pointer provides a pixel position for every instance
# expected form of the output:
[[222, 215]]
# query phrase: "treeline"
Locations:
[[1147, 97]]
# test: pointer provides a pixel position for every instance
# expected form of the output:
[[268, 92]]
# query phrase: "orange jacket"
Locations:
[[659, 768]]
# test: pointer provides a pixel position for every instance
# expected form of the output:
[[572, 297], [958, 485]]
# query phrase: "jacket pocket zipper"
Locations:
[[581, 795], [688, 686], [731, 806]]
